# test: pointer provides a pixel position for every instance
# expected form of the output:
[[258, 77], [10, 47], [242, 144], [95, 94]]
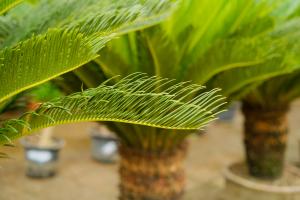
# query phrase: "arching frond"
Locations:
[[89, 16], [5, 5], [232, 81], [136, 99], [41, 58], [76, 35], [276, 92]]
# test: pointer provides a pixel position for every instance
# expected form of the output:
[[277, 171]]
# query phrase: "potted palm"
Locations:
[[265, 106], [231, 46], [265, 110], [272, 100], [212, 42], [81, 30]]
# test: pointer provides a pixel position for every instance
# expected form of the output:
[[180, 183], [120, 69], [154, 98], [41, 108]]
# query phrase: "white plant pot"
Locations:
[[104, 148], [41, 161]]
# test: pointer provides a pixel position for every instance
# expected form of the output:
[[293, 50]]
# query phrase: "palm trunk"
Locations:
[[265, 140], [151, 175]]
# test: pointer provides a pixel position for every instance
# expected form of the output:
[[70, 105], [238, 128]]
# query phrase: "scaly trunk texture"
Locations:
[[152, 175], [265, 140]]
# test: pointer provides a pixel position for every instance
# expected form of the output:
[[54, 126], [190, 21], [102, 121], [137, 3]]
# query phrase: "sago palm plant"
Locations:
[[55, 37], [42, 41], [81, 30], [221, 43], [266, 103], [266, 126]]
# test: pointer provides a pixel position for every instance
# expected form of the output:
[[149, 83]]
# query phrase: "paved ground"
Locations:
[[82, 178]]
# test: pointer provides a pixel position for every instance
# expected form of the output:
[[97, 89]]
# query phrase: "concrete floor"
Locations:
[[82, 178]]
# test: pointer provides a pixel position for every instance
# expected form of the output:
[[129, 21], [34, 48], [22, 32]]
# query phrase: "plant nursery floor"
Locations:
[[82, 178]]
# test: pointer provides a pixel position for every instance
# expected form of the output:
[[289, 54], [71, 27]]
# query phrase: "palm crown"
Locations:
[[276, 88], [277, 92]]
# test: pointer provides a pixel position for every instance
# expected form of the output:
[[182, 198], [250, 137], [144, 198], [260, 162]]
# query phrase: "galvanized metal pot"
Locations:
[[104, 148], [41, 161]]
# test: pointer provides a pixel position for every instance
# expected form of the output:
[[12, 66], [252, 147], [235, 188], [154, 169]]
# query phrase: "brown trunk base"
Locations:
[[151, 175], [265, 141]]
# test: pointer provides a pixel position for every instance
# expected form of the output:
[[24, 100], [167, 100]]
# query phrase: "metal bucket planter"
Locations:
[[41, 161], [104, 148], [239, 185]]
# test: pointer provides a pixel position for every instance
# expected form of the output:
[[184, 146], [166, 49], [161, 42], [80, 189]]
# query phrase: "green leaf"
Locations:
[[42, 58], [136, 99], [77, 31], [6, 5]]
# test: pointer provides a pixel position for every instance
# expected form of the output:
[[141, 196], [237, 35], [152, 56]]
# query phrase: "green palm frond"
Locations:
[[136, 99], [287, 87], [276, 92], [233, 54], [89, 16], [281, 62], [272, 50], [283, 89], [69, 40], [5, 5], [41, 58]]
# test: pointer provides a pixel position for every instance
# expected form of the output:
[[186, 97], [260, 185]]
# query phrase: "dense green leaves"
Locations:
[[282, 59], [234, 45], [69, 34], [41, 58], [281, 90], [136, 99], [212, 44]]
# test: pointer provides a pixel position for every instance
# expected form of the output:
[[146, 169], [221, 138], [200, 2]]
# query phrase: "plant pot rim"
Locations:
[[58, 143], [232, 177]]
